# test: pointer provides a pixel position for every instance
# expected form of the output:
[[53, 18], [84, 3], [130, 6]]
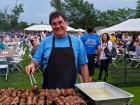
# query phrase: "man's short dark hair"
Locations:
[[56, 14], [90, 29], [45, 31]]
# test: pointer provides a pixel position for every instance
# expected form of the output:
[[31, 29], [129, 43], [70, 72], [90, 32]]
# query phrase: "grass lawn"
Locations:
[[17, 79]]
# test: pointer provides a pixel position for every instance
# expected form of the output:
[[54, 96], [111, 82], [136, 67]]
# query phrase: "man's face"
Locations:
[[59, 26]]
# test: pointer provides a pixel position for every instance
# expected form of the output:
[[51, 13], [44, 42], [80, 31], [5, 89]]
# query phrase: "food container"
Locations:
[[102, 93]]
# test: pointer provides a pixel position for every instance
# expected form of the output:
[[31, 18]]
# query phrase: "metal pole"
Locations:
[[16, 2], [125, 80]]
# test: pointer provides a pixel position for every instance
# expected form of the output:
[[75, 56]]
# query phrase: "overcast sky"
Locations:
[[36, 11]]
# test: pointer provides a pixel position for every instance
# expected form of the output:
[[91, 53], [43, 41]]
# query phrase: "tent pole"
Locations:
[[125, 80]]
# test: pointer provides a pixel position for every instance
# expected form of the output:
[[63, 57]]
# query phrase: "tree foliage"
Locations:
[[112, 17], [4, 20], [10, 21], [16, 12], [22, 25], [57, 5], [138, 9], [81, 14]]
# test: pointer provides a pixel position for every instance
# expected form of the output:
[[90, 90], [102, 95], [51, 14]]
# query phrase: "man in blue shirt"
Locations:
[[61, 55], [91, 42]]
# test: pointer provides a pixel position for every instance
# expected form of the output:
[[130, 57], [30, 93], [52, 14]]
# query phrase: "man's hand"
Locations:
[[30, 68]]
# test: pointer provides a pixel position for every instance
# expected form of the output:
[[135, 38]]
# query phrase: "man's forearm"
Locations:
[[84, 73]]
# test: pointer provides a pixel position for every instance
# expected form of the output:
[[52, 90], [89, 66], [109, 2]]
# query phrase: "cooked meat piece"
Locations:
[[63, 99], [83, 103], [58, 92], [46, 92], [15, 100], [49, 99], [48, 102], [14, 93], [67, 100], [42, 93], [52, 92], [66, 103], [2, 98], [5, 103], [19, 93], [35, 100], [71, 92], [8, 100], [29, 100], [79, 101], [31, 94], [63, 92], [22, 103], [41, 100], [26, 92], [58, 101]]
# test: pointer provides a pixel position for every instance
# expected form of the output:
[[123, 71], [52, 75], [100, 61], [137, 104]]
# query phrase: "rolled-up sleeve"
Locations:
[[39, 52]]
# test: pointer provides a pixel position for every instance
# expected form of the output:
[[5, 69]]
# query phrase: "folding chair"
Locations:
[[4, 67], [135, 60], [16, 60]]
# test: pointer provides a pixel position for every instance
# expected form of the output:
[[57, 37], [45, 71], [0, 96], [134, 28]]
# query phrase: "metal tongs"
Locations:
[[33, 83], [32, 79]]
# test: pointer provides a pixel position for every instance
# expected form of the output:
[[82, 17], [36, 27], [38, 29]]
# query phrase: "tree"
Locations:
[[23, 25], [4, 20], [80, 13], [16, 12], [112, 17], [10, 21], [57, 5], [138, 9]]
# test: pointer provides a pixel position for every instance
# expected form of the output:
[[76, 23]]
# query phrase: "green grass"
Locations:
[[17, 79]]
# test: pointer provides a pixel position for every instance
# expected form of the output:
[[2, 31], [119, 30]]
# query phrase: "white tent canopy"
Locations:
[[39, 28], [45, 27], [129, 25], [80, 30], [70, 29]]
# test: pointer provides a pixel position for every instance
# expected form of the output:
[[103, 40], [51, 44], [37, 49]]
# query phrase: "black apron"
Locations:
[[61, 69]]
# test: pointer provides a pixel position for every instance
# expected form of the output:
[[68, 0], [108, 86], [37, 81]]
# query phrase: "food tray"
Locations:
[[102, 93]]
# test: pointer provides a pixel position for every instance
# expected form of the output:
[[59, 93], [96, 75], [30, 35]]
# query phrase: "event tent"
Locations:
[[45, 27], [80, 30], [126, 26], [70, 29], [39, 28]]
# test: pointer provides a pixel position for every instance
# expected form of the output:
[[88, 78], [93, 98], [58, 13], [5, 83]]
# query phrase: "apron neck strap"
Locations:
[[53, 43]]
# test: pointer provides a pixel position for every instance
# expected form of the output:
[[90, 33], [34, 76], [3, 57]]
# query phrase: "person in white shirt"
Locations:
[[103, 59]]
